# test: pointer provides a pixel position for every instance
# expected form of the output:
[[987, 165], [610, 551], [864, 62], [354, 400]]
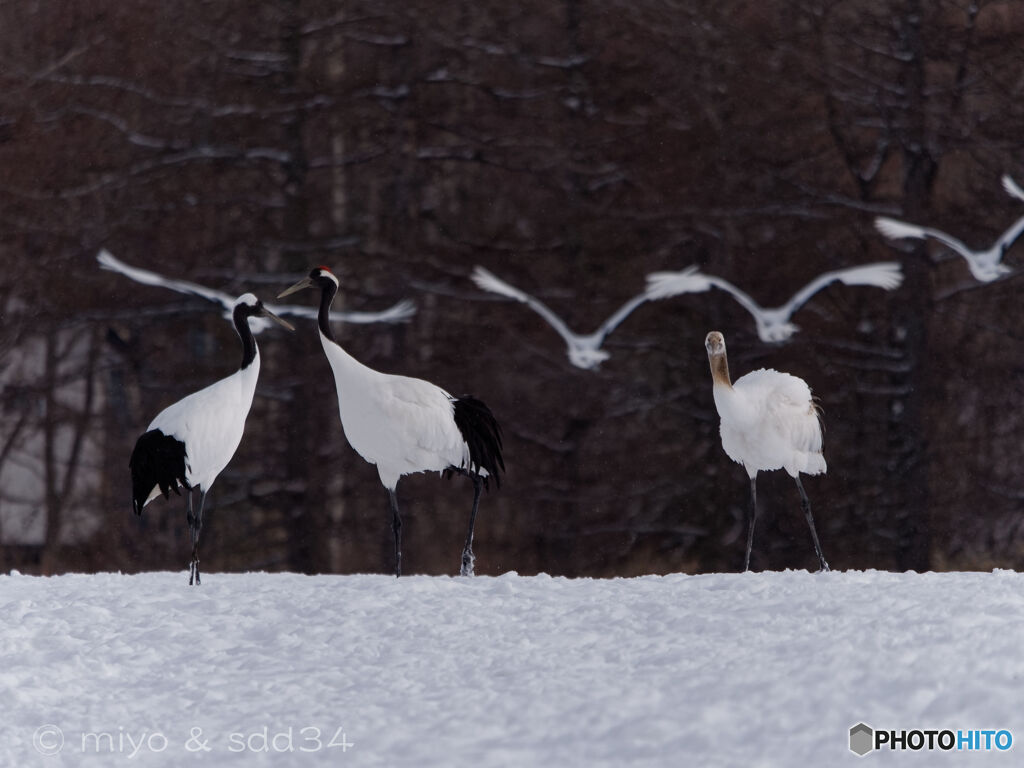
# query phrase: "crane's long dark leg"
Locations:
[[467, 551], [396, 526], [752, 518], [190, 517], [196, 530], [806, 504]]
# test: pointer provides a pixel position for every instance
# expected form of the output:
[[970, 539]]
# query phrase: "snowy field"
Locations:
[[766, 669]]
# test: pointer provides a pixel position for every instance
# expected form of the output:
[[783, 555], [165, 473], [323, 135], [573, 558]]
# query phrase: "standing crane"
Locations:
[[190, 442], [405, 425], [769, 421]]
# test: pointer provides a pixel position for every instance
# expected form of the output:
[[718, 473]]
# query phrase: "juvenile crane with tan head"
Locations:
[[769, 421]]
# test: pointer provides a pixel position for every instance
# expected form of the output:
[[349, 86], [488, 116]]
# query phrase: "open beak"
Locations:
[[303, 283], [267, 313]]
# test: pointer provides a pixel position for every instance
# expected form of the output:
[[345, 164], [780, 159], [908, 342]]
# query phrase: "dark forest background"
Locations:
[[571, 147]]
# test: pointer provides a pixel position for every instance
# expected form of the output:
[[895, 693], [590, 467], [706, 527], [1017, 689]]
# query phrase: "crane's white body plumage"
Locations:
[[210, 423], [584, 350], [400, 424], [773, 323], [769, 422], [399, 313]]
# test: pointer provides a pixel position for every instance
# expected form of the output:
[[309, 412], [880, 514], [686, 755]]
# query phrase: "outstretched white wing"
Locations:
[[885, 274], [398, 313], [895, 230], [1012, 188], [490, 282], [144, 276], [1010, 235], [664, 285], [623, 312], [661, 285], [755, 309]]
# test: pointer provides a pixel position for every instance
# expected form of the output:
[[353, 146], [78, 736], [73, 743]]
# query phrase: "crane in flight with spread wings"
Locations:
[[584, 350], [985, 264], [398, 313], [773, 323]]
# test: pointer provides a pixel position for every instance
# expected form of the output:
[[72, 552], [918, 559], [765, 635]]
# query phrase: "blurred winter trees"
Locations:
[[571, 148]]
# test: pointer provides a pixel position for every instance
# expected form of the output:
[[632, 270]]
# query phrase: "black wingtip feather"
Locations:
[[482, 434], [157, 460]]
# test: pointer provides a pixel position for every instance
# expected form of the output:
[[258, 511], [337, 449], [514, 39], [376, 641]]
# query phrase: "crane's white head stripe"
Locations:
[[325, 272], [247, 299]]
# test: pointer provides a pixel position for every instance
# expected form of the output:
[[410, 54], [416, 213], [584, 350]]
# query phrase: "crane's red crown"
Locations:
[[321, 273]]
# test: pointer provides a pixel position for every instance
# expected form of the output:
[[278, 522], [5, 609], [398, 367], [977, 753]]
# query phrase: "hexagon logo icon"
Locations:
[[861, 739]]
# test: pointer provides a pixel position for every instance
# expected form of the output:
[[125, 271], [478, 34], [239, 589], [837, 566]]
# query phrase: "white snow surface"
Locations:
[[766, 669]]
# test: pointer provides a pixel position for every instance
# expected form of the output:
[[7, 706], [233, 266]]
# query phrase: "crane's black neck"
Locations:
[[328, 291], [241, 317]]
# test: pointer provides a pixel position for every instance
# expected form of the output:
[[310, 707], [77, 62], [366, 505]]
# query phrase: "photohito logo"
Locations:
[[861, 739], [864, 739]]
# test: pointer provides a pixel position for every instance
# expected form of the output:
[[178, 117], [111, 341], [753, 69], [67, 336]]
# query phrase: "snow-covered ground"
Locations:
[[766, 669]]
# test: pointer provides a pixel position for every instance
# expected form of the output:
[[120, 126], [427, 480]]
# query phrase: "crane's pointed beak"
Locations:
[[267, 313], [303, 283]]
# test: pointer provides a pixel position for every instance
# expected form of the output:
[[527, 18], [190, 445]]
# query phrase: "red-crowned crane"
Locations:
[[773, 323], [584, 350], [986, 264], [189, 443], [769, 421], [399, 313], [405, 425]]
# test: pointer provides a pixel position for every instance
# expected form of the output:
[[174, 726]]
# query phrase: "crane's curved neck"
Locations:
[[241, 319], [732, 406], [720, 371], [324, 317]]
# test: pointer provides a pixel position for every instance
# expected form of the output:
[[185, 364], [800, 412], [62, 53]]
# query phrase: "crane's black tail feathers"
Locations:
[[482, 434], [157, 460]]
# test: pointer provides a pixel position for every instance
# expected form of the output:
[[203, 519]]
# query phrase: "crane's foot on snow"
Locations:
[[193, 573], [468, 559]]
